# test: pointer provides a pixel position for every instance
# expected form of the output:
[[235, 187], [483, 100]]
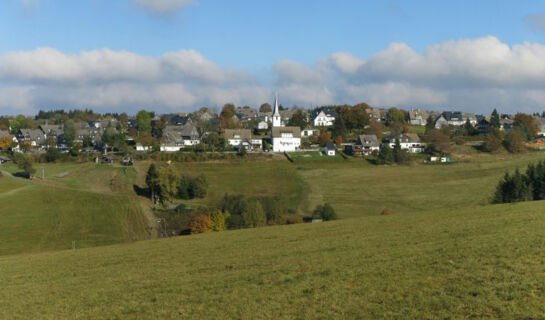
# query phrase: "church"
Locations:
[[283, 138]]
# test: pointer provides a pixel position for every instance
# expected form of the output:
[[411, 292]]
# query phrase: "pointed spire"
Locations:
[[276, 110]]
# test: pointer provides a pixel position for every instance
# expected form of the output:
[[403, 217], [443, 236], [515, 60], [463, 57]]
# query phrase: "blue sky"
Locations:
[[258, 39]]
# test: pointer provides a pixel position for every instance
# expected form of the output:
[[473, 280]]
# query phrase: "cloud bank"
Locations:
[[470, 74]]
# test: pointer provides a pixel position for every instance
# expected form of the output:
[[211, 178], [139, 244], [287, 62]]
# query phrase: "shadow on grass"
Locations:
[[143, 192], [24, 175]]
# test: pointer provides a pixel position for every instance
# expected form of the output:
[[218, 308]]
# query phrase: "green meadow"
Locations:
[[445, 252]]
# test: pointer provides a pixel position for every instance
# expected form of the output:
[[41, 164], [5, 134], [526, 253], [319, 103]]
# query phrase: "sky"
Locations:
[[180, 55]]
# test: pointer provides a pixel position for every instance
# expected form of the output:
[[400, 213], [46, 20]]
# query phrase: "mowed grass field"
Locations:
[[483, 263], [89, 204]]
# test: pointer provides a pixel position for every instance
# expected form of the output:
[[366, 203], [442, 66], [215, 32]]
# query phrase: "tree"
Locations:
[[495, 119], [385, 155], [52, 154], [254, 216], [514, 141], [274, 210], [375, 128], [492, 140], [299, 119], [324, 138], [143, 122], [6, 143], [324, 212], [152, 181], [526, 124], [200, 223], [437, 142], [430, 124], [218, 220], [356, 117], [228, 111], [266, 107], [25, 164], [339, 127], [469, 129], [69, 132], [400, 156], [395, 115]]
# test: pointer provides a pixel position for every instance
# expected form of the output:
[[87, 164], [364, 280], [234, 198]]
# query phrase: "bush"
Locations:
[[254, 216], [386, 212], [294, 219], [324, 212], [200, 223]]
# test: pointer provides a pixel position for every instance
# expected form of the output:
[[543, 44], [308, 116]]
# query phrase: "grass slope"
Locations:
[[90, 205], [356, 188], [485, 263]]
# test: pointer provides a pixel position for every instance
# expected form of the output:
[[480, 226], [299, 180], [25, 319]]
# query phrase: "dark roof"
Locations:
[[453, 116]]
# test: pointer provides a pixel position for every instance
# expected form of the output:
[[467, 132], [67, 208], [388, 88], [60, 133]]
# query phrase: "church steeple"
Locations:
[[276, 119]]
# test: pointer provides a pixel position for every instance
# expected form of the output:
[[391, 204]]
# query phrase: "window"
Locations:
[[287, 135]]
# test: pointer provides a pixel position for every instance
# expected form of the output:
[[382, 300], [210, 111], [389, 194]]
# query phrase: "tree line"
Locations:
[[518, 186]]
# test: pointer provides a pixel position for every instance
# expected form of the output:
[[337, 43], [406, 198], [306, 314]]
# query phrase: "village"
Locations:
[[358, 130]]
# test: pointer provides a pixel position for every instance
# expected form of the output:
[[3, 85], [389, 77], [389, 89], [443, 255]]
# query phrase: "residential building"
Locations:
[[408, 141], [418, 117], [324, 118], [329, 149], [366, 144]]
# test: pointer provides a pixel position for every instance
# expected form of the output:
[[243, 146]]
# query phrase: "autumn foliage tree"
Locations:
[[324, 138], [6, 143], [526, 124], [200, 223]]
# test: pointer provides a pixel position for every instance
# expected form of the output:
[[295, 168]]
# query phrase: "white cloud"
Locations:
[[162, 6], [468, 74]]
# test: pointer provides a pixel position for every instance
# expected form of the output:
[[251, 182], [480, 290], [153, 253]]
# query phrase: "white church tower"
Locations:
[[276, 118]]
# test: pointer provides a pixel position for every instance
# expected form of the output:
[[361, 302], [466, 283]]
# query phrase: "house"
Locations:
[[408, 141], [540, 122], [324, 118], [283, 138], [329, 149], [36, 137], [507, 124], [455, 118], [237, 137], [141, 148], [482, 126], [366, 144], [262, 125], [246, 113], [309, 132], [418, 117], [178, 137], [375, 114]]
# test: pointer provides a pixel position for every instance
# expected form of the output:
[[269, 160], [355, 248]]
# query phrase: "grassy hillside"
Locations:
[[89, 204], [356, 188], [478, 263]]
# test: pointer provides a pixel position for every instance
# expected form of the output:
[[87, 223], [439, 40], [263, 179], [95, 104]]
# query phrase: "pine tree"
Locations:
[[495, 119], [385, 155]]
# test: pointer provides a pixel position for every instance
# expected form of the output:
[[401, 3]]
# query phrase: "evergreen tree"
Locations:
[[339, 127], [385, 155], [430, 124], [495, 119]]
